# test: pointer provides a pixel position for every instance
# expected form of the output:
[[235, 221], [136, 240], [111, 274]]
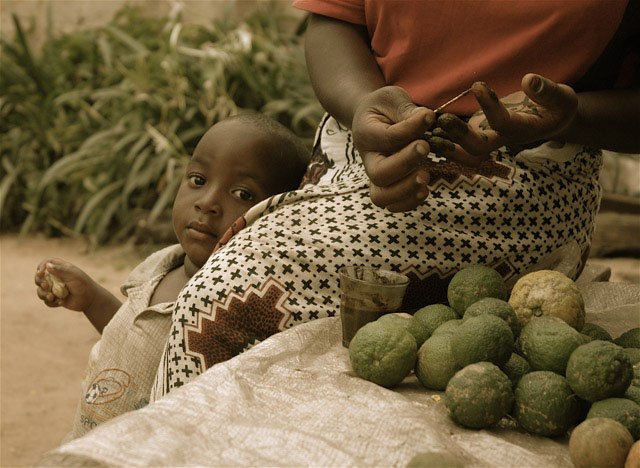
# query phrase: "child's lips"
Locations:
[[201, 231]]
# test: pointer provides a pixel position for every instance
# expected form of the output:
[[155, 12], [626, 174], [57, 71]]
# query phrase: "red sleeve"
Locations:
[[351, 11]]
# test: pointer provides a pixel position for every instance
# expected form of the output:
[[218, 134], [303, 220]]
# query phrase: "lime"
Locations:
[[545, 404], [596, 332], [479, 395], [599, 370], [547, 343], [599, 442], [427, 319], [482, 338], [629, 339], [634, 355], [625, 411], [547, 292], [515, 368], [435, 365], [382, 354], [447, 327], [395, 318], [474, 283], [633, 394], [497, 307]]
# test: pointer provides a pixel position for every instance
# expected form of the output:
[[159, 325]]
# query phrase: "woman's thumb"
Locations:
[[548, 93]]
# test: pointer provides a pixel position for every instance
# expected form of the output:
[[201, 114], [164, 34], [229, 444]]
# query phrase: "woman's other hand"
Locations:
[[542, 110], [388, 130]]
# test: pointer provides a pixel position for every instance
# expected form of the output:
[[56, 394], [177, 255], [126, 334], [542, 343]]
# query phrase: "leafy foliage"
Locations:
[[100, 124]]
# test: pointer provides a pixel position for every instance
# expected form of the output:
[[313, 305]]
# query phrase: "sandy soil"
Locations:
[[43, 351]]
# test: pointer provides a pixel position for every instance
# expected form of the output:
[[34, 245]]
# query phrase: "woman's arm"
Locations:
[[341, 66], [387, 126], [606, 119]]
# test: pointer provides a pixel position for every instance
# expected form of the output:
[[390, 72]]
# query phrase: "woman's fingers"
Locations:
[[403, 195], [386, 170]]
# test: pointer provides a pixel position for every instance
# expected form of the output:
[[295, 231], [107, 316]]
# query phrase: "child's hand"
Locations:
[[387, 131], [81, 289], [540, 111]]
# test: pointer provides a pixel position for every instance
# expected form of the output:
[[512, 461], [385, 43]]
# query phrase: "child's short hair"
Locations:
[[291, 153]]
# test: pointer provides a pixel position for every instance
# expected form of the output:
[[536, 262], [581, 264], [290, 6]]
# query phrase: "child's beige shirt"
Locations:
[[123, 363]]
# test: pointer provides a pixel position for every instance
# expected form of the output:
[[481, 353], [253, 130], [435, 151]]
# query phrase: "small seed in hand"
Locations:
[[58, 288]]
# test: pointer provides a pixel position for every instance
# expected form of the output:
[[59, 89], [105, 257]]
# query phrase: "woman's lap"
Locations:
[[281, 269]]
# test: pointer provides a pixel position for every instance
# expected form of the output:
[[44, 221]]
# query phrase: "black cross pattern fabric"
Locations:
[[277, 266]]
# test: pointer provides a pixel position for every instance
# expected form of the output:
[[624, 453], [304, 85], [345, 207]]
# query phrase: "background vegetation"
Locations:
[[96, 127]]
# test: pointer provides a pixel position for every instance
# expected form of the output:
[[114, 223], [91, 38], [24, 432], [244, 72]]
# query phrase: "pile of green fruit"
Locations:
[[527, 354]]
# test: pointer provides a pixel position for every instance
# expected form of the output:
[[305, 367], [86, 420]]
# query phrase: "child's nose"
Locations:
[[209, 201]]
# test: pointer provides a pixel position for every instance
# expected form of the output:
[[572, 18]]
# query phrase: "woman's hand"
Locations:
[[542, 110], [388, 131]]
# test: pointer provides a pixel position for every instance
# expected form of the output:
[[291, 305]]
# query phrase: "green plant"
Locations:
[[99, 125]]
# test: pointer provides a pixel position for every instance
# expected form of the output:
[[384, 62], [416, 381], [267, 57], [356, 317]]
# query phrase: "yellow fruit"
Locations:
[[599, 442], [547, 292], [633, 457]]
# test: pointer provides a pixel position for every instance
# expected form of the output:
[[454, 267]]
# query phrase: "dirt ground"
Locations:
[[43, 351]]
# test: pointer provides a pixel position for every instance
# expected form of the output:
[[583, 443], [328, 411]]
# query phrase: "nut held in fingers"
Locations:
[[58, 288]]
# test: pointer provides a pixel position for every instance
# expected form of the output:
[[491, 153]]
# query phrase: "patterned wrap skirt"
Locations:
[[278, 265]]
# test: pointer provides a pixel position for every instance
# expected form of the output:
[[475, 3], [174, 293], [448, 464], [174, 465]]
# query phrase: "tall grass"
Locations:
[[99, 124]]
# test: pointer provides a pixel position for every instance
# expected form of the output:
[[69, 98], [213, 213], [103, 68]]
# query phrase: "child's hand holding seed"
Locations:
[[60, 283]]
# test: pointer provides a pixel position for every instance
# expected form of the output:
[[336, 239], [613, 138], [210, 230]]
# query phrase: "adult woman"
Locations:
[[399, 207]]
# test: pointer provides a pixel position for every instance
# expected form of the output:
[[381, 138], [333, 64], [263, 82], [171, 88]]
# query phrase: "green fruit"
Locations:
[[479, 395], [395, 318], [596, 332], [515, 368], [634, 355], [585, 338], [447, 328], [474, 283], [427, 319], [497, 307], [545, 404], [435, 460], [547, 343], [633, 394], [629, 339], [626, 412], [599, 442], [482, 338], [547, 292], [635, 379], [436, 365], [599, 370], [382, 354]]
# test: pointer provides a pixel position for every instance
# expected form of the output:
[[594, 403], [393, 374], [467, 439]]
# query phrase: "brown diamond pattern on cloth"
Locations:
[[448, 172], [228, 328]]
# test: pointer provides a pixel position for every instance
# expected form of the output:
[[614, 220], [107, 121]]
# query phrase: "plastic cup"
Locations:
[[367, 294]]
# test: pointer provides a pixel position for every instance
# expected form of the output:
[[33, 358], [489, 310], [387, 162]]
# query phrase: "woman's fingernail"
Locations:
[[421, 195], [420, 180], [421, 150], [536, 84]]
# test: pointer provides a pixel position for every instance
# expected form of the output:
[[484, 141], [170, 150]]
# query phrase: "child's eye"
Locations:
[[197, 179], [243, 194]]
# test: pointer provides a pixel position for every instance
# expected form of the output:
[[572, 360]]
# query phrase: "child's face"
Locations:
[[227, 174]]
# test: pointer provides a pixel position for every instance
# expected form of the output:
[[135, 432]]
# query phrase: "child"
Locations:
[[237, 163]]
